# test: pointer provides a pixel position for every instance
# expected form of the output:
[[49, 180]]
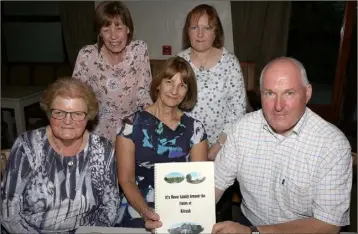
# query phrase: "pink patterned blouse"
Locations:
[[121, 89]]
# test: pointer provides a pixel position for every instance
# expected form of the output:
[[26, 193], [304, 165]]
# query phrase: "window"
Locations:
[[32, 32]]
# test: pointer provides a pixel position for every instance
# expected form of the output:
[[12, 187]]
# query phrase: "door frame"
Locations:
[[331, 112]]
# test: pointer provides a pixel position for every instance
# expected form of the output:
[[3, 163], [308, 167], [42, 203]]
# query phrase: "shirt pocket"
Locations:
[[295, 196]]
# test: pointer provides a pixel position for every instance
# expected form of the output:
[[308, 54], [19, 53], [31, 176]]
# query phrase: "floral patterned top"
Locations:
[[44, 192], [221, 94], [120, 88], [154, 143]]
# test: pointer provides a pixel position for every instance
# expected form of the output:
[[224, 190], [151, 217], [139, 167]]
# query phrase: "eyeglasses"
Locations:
[[200, 28], [75, 116]]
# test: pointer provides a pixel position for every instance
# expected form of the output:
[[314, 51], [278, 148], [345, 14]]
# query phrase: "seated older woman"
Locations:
[[160, 133], [61, 176]]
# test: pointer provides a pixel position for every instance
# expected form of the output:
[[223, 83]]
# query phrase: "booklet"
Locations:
[[185, 197]]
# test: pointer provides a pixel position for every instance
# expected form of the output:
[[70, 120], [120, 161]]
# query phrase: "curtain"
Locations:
[[260, 31], [77, 19]]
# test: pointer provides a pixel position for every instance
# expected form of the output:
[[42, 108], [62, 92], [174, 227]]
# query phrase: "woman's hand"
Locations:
[[213, 151], [151, 220], [215, 148]]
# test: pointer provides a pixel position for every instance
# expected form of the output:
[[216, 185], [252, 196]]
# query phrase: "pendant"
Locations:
[[70, 163], [201, 68]]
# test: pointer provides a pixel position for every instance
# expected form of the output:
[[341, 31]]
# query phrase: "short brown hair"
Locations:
[[68, 87], [214, 21], [107, 12], [171, 67]]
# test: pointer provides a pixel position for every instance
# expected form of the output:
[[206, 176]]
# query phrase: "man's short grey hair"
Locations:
[[304, 78]]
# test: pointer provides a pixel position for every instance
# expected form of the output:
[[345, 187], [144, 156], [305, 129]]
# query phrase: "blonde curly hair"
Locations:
[[68, 87]]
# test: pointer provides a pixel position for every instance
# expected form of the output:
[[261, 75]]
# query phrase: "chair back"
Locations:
[[354, 158], [4, 157], [248, 71]]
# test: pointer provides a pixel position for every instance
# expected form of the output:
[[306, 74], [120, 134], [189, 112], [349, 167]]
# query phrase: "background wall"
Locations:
[[33, 41], [160, 23]]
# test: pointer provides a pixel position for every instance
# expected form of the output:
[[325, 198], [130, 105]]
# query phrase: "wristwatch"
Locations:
[[254, 230]]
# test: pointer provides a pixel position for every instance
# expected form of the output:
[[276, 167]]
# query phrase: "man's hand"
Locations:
[[230, 227], [152, 221]]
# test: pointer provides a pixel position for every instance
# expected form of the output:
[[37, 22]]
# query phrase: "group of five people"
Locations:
[[293, 167]]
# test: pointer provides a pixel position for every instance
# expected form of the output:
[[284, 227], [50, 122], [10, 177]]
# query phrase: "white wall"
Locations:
[[160, 23]]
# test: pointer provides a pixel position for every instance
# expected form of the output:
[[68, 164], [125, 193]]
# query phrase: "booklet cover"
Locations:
[[185, 197]]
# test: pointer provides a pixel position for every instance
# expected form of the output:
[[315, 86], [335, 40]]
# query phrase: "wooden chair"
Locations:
[[156, 65], [252, 89], [248, 71], [4, 157], [354, 163], [354, 158]]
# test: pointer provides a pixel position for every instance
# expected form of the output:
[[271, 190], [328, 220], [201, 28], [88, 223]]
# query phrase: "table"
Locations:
[[112, 230], [107, 230], [18, 97]]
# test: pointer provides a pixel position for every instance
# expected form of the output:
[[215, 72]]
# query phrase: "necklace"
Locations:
[[70, 163], [203, 64]]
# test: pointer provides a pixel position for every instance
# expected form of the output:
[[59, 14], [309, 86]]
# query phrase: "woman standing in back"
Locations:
[[221, 87], [116, 67]]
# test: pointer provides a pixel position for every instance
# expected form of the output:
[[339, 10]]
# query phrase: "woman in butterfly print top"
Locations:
[[160, 133], [117, 68]]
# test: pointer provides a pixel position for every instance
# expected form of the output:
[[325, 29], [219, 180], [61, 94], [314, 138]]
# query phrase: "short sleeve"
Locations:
[[199, 133], [332, 192], [126, 130]]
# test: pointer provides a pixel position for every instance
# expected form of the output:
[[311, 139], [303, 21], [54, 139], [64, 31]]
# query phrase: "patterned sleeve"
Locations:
[[199, 133], [236, 94], [126, 130], [17, 172], [332, 192], [110, 201], [145, 78], [80, 70]]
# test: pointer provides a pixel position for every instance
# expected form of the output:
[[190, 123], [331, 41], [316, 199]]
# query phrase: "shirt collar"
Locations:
[[296, 129]]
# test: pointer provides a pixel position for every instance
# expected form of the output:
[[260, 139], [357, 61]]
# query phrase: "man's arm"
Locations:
[[218, 194], [310, 225], [226, 164], [334, 177]]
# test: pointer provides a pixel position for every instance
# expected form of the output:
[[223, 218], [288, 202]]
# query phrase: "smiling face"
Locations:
[[115, 36], [283, 95], [68, 129], [201, 33], [172, 91]]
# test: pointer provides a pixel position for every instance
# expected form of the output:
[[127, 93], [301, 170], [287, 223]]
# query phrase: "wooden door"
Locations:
[[331, 111]]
